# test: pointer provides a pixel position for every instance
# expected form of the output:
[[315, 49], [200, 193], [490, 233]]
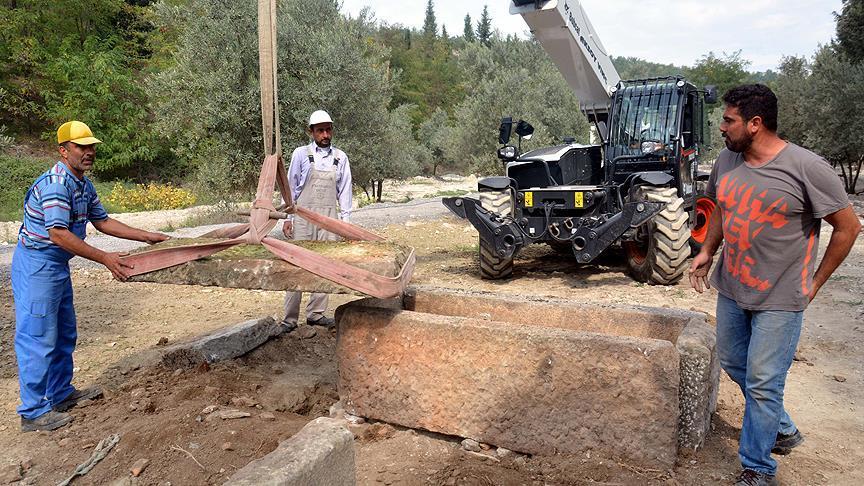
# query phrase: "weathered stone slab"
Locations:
[[253, 267], [533, 376], [321, 454], [226, 343]]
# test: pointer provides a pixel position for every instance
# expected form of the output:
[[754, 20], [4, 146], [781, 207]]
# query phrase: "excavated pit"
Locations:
[[534, 376]]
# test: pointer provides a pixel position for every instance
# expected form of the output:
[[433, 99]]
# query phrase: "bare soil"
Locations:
[[289, 381]]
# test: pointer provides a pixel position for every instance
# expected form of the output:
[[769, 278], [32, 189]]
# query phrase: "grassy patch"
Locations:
[[219, 214], [450, 193]]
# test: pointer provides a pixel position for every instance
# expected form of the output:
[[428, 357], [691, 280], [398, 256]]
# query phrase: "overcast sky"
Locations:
[[667, 31]]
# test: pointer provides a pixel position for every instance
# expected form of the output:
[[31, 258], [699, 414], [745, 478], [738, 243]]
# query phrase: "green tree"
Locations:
[[484, 27], [636, 68], [468, 30], [495, 84], [208, 102], [850, 29], [836, 120], [725, 72], [399, 153], [435, 134], [793, 97], [430, 25]]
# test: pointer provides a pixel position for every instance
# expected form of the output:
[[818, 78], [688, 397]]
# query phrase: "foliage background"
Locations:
[[171, 86]]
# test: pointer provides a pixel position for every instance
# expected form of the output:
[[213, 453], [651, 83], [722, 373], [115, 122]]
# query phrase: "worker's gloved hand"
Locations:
[[288, 228], [151, 237], [116, 265], [699, 271]]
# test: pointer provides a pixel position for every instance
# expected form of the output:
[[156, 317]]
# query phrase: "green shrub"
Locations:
[[16, 176]]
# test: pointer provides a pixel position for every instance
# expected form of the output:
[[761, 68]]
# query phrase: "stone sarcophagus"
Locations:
[[534, 376]]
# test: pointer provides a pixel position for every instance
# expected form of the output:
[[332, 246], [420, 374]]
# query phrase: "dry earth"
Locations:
[[289, 381]]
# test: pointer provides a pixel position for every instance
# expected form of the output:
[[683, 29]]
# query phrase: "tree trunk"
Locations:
[[380, 186]]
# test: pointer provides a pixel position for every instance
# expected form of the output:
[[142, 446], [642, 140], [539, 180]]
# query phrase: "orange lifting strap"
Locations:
[[264, 216]]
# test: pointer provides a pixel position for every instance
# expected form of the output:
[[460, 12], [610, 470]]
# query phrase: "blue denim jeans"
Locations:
[[756, 349]]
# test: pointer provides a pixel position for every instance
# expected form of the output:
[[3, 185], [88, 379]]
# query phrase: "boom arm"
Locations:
[[565, 33]]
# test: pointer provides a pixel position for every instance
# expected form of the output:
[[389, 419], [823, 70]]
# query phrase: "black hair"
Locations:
[[754, 100]]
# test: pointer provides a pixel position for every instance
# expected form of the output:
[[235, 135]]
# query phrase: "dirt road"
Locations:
[[289, 381]]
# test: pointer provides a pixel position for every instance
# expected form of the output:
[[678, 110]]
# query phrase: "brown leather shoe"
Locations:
[[47, 421], [76, 396]]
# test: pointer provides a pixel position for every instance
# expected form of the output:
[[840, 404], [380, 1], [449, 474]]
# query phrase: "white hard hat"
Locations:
[[319, 116]]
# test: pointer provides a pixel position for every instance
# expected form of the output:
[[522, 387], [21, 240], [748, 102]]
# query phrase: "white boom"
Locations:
[[565, 33]]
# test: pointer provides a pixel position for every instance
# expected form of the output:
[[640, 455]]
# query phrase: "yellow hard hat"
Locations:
[[76, 132]]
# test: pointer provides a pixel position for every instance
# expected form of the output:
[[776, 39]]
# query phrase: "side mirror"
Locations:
[[504, 130], [603, 130], [710, 94], [524, 129]]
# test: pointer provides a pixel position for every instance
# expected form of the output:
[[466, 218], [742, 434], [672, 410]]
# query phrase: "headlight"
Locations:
[[507, 152], [651, 147]]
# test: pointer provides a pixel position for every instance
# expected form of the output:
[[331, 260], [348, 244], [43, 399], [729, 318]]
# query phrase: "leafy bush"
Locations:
[[16, 176], [149, 197]]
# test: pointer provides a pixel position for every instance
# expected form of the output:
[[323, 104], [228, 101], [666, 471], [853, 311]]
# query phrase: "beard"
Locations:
[[740, 145]]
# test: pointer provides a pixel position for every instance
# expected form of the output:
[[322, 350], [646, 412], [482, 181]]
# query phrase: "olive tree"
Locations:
[[207, 103], [515, 78]]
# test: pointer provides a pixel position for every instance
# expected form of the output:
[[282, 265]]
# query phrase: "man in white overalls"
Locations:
[[320, 179]]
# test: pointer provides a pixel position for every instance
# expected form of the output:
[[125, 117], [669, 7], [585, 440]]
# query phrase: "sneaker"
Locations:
[[77, 396], [749, 477], [785, 443], [324, 321], [48, 421]]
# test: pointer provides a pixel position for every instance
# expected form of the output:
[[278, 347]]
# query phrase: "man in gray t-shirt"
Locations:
[[771, 198]]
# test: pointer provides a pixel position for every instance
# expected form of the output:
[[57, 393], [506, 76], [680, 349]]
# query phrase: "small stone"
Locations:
[[88, 445], [27, 464], [139, 467], [243, 402], [228, 415], [354, 419], [502, 452], [194, 446], [485, 447], [209, 409], [227, 446], [839, 378], [337, 410], [267, 416], [84, 403], [178, 372], [199, 418], [471, 445], [64, 442], [163, 341], [304, 332], [11, 474]]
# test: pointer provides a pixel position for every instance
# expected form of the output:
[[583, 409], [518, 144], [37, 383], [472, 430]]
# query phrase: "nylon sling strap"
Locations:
[[261, 218]]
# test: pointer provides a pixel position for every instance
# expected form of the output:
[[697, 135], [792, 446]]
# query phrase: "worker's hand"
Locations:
[[151, 237], [116, 265], [699, 271], [288, 228]]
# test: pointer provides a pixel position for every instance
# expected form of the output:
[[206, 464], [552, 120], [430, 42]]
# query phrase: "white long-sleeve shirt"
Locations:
[[326, 159]]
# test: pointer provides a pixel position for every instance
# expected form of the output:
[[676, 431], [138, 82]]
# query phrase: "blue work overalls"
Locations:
[[46, 327]]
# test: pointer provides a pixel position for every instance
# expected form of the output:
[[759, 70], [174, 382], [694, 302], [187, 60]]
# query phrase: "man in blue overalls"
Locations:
[[56, 211]]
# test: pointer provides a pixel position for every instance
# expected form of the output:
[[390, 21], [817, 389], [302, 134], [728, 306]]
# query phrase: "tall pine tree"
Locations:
[[430, 25], [484, 27], [850, 29], [468, 31]]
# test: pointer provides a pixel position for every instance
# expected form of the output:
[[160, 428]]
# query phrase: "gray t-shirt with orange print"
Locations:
[[771, 221]]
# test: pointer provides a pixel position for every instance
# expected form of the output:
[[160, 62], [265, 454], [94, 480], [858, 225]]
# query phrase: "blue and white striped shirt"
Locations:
[[58, 199]]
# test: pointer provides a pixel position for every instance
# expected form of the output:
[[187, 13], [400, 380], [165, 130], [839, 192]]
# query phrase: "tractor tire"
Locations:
[[493, 267], [660, 256]]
